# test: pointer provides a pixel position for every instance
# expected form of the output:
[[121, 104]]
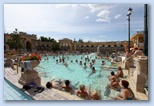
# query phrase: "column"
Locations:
[[141, 73]]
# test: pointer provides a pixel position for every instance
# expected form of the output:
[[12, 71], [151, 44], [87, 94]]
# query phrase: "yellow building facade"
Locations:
[[104, 47], [138, 39], [29, 42]]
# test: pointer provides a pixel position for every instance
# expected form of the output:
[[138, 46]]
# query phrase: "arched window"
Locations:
[[109, 46], [115, 45]]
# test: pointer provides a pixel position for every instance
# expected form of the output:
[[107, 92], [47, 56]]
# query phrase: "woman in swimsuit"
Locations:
[[127, 92], [83, 92], [94, 95], [120, 72]]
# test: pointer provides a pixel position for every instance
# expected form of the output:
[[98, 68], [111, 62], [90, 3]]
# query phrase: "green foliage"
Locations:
[[55, 46], [80, 41], [14, 42], [45, 39]]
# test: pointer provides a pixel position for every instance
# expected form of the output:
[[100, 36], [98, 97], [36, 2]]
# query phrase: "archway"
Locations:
[[28, 46]]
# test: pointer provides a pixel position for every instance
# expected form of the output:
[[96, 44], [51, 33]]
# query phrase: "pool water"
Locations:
[[13, 93], [49, 69]]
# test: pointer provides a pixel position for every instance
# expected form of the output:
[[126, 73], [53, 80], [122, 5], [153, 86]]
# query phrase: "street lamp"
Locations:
[[128, 18]]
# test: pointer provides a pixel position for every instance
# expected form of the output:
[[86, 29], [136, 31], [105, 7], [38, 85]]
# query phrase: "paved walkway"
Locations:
[[48, 94]]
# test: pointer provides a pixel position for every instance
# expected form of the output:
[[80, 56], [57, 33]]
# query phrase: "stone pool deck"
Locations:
[[48, 94]]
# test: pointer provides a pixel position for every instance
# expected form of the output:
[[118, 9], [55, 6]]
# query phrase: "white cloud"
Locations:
[[66, 5], [103, 16], [75, 5], [102, 20], [86, 39], [62, 5], [117, 16], [87, 17], [138, 29], [98, 7], [43, 22], [95, 7]]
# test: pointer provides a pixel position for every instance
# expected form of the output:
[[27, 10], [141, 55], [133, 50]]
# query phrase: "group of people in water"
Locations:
[[82, 92], [115, 83]]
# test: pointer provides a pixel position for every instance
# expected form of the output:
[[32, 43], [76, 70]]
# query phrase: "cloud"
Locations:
[[138, 29], [102, 20], [62, 5], [98, 7], [103, 16], [75, 5], [66, 5], [117, 16], [87, 17], [86, 39], [43, 22]]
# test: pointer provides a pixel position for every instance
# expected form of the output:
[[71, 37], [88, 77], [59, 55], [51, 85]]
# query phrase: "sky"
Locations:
[[89, 22]]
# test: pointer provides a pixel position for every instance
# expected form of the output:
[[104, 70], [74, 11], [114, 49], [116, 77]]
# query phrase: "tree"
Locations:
[[55, 46], [15, 41], [89, 41], [80, 41]]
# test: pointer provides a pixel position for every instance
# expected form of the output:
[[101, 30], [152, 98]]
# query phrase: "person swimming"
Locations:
[[93, 71], [84, 66], [80, 62]]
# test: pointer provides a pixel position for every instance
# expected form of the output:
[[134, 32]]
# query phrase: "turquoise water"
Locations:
[[13, 93], [49, 69]]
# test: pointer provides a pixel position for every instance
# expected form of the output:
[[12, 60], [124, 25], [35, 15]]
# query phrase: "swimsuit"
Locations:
[[131, 97]]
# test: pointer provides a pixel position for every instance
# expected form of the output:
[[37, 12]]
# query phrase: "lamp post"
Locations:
[[128, 18], [145, 30]]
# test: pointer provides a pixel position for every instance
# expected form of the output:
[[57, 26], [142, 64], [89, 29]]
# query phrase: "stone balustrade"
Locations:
[[141, 73]]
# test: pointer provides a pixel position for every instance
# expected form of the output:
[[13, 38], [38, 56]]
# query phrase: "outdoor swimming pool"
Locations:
[[13, 93], [49, 69]]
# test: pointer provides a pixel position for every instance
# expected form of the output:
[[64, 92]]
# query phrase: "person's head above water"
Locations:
[[67, 82], [82, 87], [112, 73], [49, 85]]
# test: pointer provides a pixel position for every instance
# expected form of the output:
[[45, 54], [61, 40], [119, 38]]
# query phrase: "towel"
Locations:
[[26, 65]]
